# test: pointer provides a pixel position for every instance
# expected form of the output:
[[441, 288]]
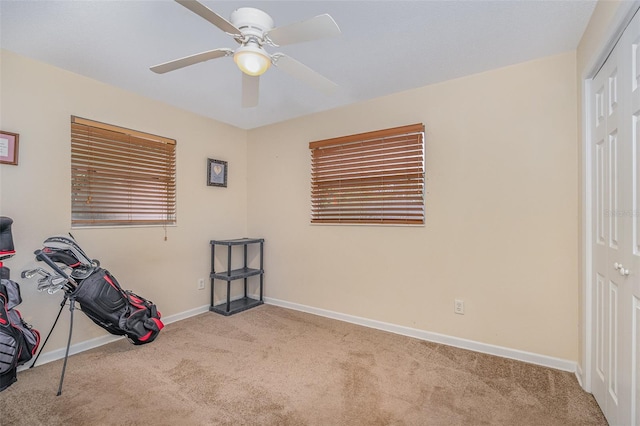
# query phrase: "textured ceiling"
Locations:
[[385, 47]]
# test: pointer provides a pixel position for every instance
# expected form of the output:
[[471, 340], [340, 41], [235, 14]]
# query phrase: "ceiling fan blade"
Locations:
[[321, 26], [250, 90], [190, 60], [208, 14], [304, 73]]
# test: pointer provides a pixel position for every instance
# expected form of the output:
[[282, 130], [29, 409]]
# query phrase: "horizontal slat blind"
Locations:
[[121, 176], [369, 178]]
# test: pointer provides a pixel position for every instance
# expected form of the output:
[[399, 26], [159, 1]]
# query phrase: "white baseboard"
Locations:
[[579, 375], [532, 358], [186, 314], [107, 338]]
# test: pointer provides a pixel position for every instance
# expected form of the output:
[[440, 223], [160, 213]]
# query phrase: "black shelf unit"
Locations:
[[234, 306]]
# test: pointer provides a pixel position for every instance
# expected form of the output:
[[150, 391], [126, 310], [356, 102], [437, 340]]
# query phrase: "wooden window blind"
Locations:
[[369, 178], [121, 176]]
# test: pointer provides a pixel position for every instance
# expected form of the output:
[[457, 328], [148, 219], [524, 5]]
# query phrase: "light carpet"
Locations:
[[275, 366]]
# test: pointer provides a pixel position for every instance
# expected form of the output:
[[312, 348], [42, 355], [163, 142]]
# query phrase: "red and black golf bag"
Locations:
[[101, 298], [120, 312], [18, 341]]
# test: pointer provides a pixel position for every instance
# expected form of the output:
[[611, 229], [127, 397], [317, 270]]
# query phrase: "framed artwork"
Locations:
[[217, 173], [9, 148]]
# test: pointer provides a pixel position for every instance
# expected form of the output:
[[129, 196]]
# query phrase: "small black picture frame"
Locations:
[[216, 173]]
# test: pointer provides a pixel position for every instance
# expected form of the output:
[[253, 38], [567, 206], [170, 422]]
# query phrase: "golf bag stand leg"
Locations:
[[64, 302], [72, 303], [70, 289]]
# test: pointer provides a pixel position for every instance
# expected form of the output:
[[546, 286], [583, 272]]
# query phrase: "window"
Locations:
[[121, 176], [369, 178]]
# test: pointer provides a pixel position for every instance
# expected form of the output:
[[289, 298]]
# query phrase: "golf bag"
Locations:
[[120, 312], [18, 341], [101, 298]]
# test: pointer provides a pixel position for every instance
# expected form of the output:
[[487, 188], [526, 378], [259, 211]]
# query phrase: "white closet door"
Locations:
[[616, 244], [632, 280]]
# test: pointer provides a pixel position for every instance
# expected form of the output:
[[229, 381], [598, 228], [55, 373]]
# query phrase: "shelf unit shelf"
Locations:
[[236, 274], [230, 307]]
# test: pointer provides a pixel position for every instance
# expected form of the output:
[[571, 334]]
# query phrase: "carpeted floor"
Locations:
[[273, 366]]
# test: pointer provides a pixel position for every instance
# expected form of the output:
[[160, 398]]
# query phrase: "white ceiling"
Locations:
[[385, 47]]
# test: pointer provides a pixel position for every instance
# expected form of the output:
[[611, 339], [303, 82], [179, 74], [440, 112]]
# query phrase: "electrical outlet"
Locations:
[[201, 284], [458, 306]]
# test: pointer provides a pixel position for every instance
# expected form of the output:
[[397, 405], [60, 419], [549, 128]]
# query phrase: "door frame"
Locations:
[[619, 22]]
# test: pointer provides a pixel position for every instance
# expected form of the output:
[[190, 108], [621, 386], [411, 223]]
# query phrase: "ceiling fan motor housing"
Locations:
[[251, 22]]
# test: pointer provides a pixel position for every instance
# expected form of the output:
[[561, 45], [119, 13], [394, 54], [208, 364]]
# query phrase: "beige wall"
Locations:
[[37, 101], [501, 209], [501, 205]]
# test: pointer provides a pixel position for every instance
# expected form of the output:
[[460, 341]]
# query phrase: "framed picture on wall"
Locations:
[[216, 173], [9, 148]]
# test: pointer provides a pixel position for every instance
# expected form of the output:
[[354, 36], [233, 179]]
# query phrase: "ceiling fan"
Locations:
[[253, 29]]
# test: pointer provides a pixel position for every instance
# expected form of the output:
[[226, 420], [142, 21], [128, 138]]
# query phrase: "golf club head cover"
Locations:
[[6, 239]]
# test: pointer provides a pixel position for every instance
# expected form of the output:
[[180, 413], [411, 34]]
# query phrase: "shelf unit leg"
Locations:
[[245, 267], [261, 270], [212, 292], [213, 270], [229, 282]]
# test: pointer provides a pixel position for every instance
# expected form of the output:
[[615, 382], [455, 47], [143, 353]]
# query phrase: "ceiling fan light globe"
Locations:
[[252, 63]]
